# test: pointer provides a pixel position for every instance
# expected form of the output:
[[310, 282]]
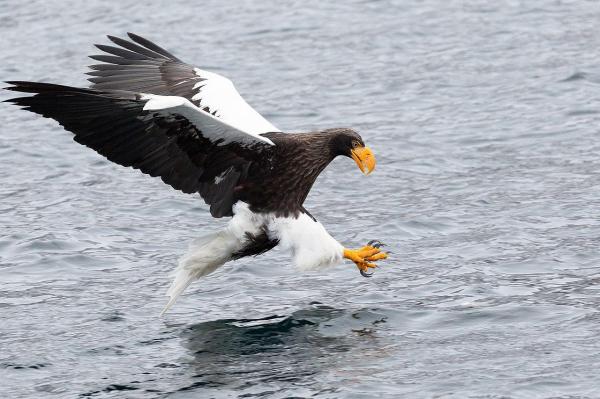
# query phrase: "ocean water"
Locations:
[[484, 117]]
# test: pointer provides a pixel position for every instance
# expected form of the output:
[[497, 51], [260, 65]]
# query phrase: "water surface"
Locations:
[[485, 122]]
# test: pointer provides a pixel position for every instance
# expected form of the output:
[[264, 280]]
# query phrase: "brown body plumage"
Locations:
[[280, 180]]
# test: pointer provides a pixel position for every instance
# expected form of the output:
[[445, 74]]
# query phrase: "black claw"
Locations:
[[365, 274], [376, 244]]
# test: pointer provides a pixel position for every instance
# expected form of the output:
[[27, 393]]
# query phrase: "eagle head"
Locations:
[[348, 142]]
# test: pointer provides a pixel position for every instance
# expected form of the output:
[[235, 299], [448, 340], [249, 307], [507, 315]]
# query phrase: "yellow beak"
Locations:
[[364, 158]]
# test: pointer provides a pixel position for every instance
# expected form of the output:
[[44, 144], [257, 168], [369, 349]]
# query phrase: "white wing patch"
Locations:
[[211, 127], [219, 95]]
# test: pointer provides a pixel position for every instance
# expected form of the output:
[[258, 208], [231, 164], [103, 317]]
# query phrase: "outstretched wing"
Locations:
[[164, 136], [141, 66]]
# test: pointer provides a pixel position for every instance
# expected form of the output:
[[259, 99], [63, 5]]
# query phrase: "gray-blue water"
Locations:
[[485, 121]]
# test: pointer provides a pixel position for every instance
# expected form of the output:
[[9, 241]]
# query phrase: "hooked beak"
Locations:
[[364, 158]]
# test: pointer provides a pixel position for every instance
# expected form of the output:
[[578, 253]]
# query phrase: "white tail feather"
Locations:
[[211, 251], [205, 255]]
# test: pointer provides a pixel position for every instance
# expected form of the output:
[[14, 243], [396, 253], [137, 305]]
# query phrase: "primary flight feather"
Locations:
[[149, 110]]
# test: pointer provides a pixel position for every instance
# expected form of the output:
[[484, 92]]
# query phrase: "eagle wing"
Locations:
[[166, 136], [138, 65]]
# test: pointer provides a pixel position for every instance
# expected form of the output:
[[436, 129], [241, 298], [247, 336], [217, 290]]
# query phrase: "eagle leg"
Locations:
[[364, 257]]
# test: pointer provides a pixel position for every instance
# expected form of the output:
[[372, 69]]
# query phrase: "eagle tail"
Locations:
[[245, 235], [205, 255]]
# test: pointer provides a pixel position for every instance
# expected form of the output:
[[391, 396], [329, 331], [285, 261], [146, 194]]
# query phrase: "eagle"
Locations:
[[148, 110]]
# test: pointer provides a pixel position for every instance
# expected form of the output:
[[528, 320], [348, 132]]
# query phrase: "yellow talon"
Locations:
[[378, 256], [364, 257]]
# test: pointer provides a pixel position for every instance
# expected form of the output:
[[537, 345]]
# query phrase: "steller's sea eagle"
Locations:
[[151, 111]]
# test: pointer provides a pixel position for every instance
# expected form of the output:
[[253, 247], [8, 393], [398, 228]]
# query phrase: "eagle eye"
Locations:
[[355, 143]]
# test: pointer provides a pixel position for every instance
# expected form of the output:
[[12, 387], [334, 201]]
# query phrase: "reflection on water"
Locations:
[[276, 349]]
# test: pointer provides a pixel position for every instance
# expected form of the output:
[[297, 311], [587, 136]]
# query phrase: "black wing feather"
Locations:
[[151, 46], [114, 124], [119, 52], [136, 48], [139, 65]]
